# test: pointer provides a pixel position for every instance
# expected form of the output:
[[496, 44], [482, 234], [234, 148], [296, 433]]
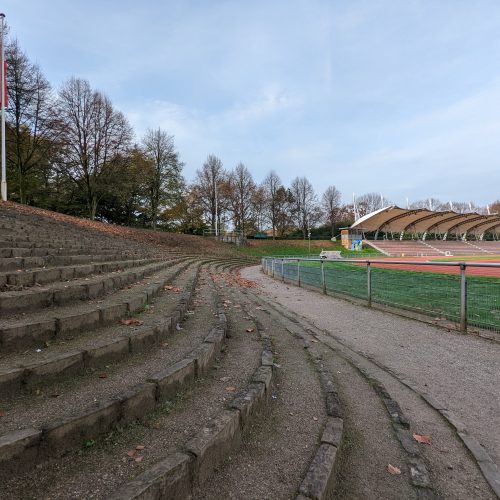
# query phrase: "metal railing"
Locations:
[[460, 297]]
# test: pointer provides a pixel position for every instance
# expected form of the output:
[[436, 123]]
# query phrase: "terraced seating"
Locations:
[[488, 246], [133, 372], [417, 248]]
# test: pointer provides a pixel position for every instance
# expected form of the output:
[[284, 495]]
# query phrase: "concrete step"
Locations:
[[46, 275], [16, 263], [68, 355], [32, 330], [58, 294], [96, 405]]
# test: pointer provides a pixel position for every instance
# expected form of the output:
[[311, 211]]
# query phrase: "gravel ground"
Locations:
[[108, 465], [279, 446], [460, 371], [370, 444], [454, 473], [82, 392]]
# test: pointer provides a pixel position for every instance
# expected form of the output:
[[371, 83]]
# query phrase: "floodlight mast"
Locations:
[[2, 66]]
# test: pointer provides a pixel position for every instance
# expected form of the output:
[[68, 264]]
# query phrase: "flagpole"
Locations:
[[2, 65]]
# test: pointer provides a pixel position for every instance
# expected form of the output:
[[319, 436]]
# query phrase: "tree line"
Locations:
[[70, 150]]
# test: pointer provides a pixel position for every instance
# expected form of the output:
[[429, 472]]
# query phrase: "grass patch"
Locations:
[[467, 258], [262, 248], [433, 294]]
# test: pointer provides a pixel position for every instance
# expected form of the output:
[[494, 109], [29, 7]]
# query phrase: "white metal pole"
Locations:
[[4, 171]]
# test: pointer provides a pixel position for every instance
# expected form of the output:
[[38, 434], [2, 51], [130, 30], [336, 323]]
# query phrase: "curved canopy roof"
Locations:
[[420, 220]]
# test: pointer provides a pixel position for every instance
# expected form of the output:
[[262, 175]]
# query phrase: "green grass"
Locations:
[[262, 248], [433, 294], [466, 258]]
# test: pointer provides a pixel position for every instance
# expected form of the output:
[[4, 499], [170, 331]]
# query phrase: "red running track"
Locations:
[[471, 271]]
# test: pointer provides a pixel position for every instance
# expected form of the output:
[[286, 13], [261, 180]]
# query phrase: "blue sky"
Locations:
[[398, 97]]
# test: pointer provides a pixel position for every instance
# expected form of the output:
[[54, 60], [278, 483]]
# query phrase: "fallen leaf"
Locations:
[[103, 375], [140, 447], [422, 439], [250, 330], [168, 287], [2, 413], [131, 453], [393, 470], [131, 321], [138, 459], [230, 389], [315, 419]]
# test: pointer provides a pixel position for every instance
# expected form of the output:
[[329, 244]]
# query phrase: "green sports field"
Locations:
[[433, 294]]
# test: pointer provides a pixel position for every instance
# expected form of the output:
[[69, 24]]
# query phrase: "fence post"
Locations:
[[283, 270], [273, 267], [298, 271], [323, 281], [369, 283], [463, 298]]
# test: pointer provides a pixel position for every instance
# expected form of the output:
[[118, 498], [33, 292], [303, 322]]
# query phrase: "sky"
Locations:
[[387, 96]]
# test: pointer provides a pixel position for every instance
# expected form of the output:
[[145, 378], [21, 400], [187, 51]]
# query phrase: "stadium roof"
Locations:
[[420, 220]]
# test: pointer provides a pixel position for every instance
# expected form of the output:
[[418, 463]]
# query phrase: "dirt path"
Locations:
[[276, 451], [459, 371]]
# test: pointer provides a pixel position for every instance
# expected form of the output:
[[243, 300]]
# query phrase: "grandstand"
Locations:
[[400, 232]]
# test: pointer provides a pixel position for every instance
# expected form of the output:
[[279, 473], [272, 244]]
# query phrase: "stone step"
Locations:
[[58, 243], [69, 355], [9, 264], [33, 330], [188, 437], [96, 405], [7, 253], [46, 275], [80, 289]]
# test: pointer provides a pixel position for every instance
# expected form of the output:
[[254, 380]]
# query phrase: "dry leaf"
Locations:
[[422, 439], [103, 375], [230, 389], [393, 470], [131, 321], [138, 459], [140, 447], [2, 413], [131, 453], [250, 330]]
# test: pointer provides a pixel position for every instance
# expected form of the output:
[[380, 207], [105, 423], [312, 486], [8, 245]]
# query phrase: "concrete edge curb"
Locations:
[[22, 449], [176, 475]]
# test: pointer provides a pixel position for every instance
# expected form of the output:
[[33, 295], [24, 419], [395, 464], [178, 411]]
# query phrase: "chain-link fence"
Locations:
[[458, 295]]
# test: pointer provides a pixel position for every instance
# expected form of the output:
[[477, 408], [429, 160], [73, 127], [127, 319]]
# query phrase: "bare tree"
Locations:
[[331, 206], [95, 135], [430, 204], [165, 181], [242, 187], [30, 116], [305, 204], [271, 186], [284, 206], [369, 202], [209, 183], [258, 202]]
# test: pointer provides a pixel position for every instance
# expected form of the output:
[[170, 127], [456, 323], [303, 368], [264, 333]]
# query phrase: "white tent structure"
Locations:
[[394, 219]]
